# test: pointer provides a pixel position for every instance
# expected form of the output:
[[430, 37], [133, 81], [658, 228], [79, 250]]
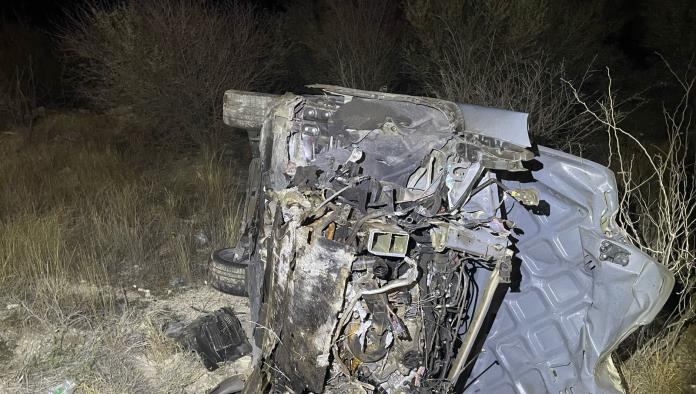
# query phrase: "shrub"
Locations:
[[171, 61], [354, 43], [17, 98], [499, 53]]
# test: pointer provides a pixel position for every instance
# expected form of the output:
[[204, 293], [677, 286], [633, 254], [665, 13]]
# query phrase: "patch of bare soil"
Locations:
[[123, 352]]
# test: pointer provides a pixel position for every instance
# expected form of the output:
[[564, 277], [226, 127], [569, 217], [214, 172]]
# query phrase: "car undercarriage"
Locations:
[[400, 244]]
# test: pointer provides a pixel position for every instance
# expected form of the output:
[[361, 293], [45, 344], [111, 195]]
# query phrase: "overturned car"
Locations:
[[401, 244]]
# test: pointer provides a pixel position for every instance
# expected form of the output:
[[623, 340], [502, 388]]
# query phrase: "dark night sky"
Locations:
[[39, 13], [46, 14]]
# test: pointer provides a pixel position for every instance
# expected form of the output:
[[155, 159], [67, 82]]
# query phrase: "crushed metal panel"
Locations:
[[447, 108], [391, 149], [496, 123], [272, 269], [281, 242], [556, 334], [245, 110], [310, 313], [283, 116]]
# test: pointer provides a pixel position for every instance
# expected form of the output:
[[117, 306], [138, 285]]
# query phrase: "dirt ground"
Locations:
[[120, 352]]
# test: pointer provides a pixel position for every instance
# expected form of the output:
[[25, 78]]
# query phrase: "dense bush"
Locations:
[[504, 54], [353, 43], [171, 61]]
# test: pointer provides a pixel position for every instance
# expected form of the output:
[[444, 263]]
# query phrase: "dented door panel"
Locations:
[[573, 307]]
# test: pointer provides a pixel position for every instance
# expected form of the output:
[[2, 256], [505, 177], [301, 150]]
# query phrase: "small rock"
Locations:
[[200, 238], [146, 292]]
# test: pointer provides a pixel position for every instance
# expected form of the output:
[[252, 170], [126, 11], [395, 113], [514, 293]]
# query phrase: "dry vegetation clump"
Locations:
[[355, 43], [506, 55], [17, 98], [657, 369], [29, 73], [170, 62]]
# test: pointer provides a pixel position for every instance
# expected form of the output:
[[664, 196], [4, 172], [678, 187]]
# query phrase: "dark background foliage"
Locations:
[[169, 61]]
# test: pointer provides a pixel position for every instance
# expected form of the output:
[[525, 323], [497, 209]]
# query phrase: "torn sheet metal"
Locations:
[[310, 314], [496, 123]]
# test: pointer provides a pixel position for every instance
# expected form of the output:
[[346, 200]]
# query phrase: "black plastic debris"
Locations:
[[217, 337]]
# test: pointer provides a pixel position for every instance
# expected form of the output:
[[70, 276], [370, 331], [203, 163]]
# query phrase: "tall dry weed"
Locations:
[[657, 207], [74, 212]]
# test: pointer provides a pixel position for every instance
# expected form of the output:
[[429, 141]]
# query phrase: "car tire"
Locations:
[[228, 272]]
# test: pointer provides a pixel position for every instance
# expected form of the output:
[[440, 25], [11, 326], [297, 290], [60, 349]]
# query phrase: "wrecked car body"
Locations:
[[408, 244]]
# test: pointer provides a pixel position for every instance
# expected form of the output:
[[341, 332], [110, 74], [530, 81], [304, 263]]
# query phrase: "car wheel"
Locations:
[[228, 271]]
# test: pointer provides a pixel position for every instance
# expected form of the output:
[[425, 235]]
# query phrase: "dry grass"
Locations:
[[75, 210], [122, 352], [665, 370], [84, 224]]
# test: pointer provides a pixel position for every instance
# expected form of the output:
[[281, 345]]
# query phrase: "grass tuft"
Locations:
[[660, 369]]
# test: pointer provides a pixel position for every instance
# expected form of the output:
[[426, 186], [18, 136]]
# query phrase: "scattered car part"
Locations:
[[410, 244], [68, 386], [387, 241], [220, 337], [216, 337], [227, 271]]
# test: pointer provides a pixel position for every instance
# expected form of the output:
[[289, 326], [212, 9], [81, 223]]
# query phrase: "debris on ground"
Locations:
[[216, 337], [124, 351]]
